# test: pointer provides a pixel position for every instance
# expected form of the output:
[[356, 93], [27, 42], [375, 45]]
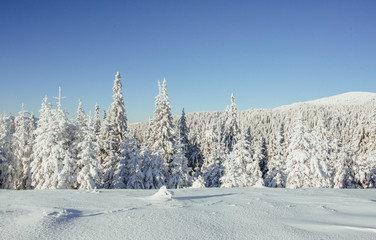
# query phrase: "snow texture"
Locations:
[[216, 213]]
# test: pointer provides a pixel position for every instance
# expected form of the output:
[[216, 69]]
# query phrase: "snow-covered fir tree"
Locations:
[[88, 176], [128, 172], [343, 174], [81, 117], [163, 142], [21, 147], [276, 176], [112, 134], [263, 162], [7, 170], [118, 115], [154, 170], [364, 164], [162, 139], [179, 176], [183, 140], [231, 129], [306, 164], [213, 170], [97, 119], [53, 166], [236, 164]]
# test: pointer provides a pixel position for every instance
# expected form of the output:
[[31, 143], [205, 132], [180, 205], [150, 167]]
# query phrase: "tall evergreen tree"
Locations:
[[112, 134], [97, 119], [182, 131], [162, 139], [231, 129], [81, 117]]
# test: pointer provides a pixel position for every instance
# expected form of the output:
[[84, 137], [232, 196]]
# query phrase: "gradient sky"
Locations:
[[268, 53]]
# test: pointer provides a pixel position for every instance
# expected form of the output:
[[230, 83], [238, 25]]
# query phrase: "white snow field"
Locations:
[[216, 213]]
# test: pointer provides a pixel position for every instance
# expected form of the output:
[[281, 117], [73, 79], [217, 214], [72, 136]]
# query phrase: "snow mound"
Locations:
[[198, 183], [350, 98], [162, 195]]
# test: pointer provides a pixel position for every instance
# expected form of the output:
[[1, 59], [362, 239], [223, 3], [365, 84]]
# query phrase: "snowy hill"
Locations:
[[217, 213], [350, 98], [344, 99]]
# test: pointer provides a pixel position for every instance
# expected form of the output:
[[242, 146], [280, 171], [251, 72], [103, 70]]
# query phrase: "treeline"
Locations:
[[304, 145]]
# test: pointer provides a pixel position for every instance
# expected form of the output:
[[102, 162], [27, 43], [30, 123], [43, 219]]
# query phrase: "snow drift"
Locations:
[[217, 213]]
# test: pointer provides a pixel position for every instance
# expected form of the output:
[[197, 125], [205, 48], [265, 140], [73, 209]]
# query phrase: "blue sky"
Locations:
[[268, 53]]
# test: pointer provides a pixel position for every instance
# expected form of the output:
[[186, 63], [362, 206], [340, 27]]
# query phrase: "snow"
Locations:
[[216, 213], [344, 99], [349, 98]]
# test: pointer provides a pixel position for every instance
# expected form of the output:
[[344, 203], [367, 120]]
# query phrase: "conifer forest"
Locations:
[[303, 145]]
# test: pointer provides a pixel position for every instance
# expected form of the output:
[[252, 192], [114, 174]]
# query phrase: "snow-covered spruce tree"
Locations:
[[112, 134], [214, 169], [231, 129], [343, 174], [163, 141], [81, 117], [253, 167], [276, 176], [21, 147], [235, 166], [118, 114], [263, 162], [179, 171], [365, 159], [372, 149], [154, 170], [191, 150], [88, 176], [7, 129], [106, 154], [53, 166], [305, 165], [97, 120], [208, 142], [182, 131], [359, 146], [128, 172], [195, 156]]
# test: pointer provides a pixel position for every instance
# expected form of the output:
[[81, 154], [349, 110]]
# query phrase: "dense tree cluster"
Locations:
[[303, 145]]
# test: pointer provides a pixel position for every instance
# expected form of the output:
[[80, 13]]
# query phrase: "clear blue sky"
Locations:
[[268, 53]]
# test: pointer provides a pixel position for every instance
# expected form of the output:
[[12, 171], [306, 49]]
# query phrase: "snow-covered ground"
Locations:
[[236, 213]]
